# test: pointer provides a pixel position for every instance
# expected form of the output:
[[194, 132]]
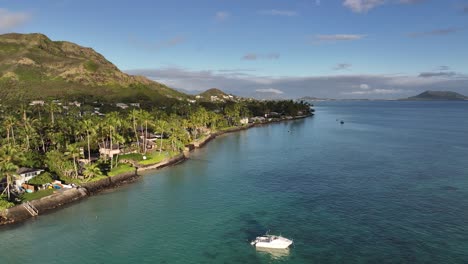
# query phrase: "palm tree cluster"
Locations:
[[60, 138]]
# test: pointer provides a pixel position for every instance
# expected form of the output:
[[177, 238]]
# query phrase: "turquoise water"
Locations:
[[388, 186]]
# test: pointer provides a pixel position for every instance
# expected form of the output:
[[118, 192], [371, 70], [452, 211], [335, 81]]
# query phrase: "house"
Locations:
[[274, 114], [257, 119], [244, 120], [106, 150], [75, 103], [135, 104], [121, 105], [26, 174], [37, 102], [149, 144]]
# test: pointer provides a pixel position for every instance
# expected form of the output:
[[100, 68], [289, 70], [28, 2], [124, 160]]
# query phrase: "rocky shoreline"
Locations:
[[19, 213]]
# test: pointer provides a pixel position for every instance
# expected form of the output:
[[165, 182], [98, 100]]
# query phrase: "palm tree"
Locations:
[[162, 126], [8, 170], [88, 126], [91, 171], [112, 122], [146, 118], [133, 116], [74, 152], [53, 108], [28, 124], [9, 124], [10, 157]]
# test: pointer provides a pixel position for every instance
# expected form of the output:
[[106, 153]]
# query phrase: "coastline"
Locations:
[[57, 200]]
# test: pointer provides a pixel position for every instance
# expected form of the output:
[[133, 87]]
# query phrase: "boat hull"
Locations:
[[282, 245], [275, 242]]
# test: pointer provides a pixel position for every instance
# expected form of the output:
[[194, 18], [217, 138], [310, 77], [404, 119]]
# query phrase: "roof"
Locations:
[[26, 170], [106, 145]]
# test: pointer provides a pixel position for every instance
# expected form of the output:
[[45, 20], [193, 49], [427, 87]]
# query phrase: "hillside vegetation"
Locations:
[[34, 67]]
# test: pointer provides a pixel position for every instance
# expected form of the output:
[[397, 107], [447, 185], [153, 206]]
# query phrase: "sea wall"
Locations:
[[109, 182], [167, 162], [58, 199]]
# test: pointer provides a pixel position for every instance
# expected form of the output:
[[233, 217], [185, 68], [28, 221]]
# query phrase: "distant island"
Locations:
[[437, 96]]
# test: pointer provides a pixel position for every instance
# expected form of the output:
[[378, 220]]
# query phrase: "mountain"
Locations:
[[215, 94], [212, 92], [438, 95], [34, 67]]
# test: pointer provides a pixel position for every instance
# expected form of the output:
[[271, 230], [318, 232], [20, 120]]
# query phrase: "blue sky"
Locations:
[[327, 48]]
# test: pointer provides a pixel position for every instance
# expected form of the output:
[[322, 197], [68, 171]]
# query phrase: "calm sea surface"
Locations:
[[388, 186]]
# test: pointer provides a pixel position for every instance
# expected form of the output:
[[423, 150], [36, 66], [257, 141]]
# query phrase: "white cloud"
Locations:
[[342, 66], [10, 20], [275, 12], [327, 86], [256, 56], [376, 91], [362, 6], [317, 39], [222, 16], [269, 90], [436, 32], [364, 86]]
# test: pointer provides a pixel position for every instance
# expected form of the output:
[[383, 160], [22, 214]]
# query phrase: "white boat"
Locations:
[[271, 241]]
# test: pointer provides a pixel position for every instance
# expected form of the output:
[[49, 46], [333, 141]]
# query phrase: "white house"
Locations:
[[26, 174], [106, 150], [121, 105], [37, 102], [244, 120]]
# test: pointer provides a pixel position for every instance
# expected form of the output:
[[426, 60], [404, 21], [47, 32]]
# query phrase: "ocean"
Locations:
[[390, 185]]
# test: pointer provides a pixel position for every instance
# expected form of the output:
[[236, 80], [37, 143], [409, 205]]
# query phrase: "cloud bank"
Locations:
[[319, 39], [335, 86], [256, 56], [363, 6]]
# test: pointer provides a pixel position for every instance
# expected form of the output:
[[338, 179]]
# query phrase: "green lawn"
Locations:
[[120, 169], [157, 157], [4, 204], [36, 195], [131, 156]]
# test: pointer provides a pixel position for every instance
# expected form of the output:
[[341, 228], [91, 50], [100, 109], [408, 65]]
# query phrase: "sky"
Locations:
[[267, 48]]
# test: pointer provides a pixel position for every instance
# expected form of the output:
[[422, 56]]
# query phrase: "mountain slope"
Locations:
[[32, 66], [438, 95], [213, 92]]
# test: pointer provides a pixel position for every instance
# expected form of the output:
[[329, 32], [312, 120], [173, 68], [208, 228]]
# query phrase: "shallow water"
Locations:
[[388, 186]]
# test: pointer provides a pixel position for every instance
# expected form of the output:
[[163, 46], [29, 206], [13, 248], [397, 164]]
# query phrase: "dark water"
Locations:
[[388, 186]]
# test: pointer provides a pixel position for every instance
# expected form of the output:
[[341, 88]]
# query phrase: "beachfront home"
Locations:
[[106, 150], [121, 105], [37, 102], [26, 174], [257, 119], [244, 120]]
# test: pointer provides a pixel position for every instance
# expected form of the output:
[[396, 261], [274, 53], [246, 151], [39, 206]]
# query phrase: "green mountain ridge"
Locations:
[[212, 92], [34, 67], [438, 95]]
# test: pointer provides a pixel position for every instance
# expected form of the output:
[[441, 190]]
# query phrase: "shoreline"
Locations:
[[57, 200]]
